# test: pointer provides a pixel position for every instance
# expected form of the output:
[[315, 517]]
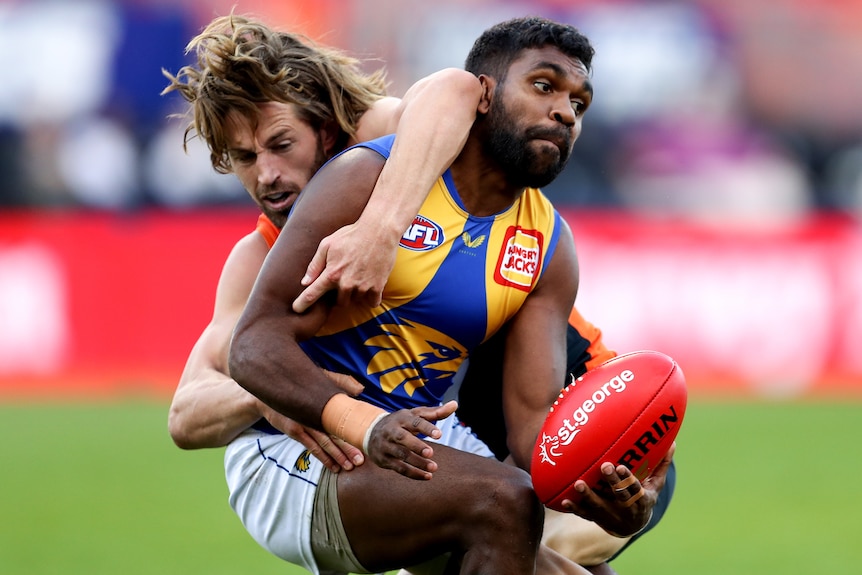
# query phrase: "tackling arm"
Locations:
[[431, 124], [265, 356], [208, 408]]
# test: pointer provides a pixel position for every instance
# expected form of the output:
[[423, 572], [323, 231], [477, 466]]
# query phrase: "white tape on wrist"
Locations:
[[368, 431], [641, 530], [638, 532]]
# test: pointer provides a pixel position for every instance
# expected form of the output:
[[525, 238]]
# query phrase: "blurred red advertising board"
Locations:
[[772, 310], [95, 303]]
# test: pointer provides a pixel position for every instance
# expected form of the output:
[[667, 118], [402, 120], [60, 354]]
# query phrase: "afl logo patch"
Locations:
[[422, 235], [520, 258]]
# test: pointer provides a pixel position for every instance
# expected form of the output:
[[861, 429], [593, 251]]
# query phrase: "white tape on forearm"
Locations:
[[349, 419], [368, 431], [642, 529], [638, 532]]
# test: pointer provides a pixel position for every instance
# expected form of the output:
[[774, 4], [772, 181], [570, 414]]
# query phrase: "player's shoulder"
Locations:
[[247, 254], [355, 162], [536, 202], [380, 119], [253, 242], [239, 273]]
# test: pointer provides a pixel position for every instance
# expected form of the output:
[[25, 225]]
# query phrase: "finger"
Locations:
[[353, 453], [317, 263], [611, 474], [626, 484], [437, 412], [409, 471], [655, 482], [660, 470], [623, 482], [670, 453], [344, 454], [315, 449], [448, 409], [343, 296], [369, 295], [628, 490], [424, 419], [410, 464], [412, 444], [373, 298], [588, 502], [396, 434], [312, 293], [589, 496], [404, 454], [345, 382], [634, 498]]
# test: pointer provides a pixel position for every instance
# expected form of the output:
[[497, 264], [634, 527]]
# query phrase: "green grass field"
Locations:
[[100, 489]]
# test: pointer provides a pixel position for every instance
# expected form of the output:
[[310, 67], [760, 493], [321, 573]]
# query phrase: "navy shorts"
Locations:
[[661, 505]]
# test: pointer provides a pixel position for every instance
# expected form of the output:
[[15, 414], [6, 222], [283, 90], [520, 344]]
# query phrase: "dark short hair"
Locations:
[[500, 45]]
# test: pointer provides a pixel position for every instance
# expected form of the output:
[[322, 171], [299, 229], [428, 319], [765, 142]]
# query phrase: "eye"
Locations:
[[238, 157], [283, 146], [542, 86], [579, 107]]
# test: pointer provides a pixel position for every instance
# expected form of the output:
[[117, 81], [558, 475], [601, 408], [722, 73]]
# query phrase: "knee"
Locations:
[[508, 501], [501, 522]]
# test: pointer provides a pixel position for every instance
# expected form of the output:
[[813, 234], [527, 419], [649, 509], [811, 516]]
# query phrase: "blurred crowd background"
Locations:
[[706, 108]]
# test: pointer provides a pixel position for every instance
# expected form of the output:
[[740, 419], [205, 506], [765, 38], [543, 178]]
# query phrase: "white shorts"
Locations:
[[460, 437], [272, 481]]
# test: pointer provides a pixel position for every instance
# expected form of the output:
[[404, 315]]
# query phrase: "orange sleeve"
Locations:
[[267, 229], [596, 350]]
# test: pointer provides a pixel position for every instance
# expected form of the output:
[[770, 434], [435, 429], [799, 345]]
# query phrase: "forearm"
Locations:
[[522, 436], [531, 378], [431, 131], [265, 359], [265, 355], [210, 411]]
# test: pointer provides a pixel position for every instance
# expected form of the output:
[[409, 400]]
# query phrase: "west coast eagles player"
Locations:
[[406, 351]]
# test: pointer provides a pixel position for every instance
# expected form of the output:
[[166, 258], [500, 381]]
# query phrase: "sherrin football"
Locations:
[[627, 410]]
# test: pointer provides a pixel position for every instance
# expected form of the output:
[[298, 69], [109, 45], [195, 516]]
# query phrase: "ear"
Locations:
[[489, 84], [329, 136]]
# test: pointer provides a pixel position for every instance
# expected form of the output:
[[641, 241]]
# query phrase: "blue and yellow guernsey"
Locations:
[[457, 279]]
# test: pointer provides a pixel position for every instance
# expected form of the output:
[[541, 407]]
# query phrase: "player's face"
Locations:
[[275, 157], [536, 115]]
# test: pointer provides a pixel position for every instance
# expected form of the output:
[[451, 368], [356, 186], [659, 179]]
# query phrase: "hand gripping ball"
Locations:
[[627, 410]]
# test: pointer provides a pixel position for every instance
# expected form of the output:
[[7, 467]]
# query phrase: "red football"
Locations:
[[627, 411]]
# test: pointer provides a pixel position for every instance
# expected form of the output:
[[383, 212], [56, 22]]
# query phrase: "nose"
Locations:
[[563, 112], [267, 169]]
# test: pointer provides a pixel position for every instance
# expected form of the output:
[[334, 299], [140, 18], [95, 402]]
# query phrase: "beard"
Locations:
[[523, 165], [279, 217]]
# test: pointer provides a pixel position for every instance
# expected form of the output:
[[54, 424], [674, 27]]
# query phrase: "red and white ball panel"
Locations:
[[627, 411]]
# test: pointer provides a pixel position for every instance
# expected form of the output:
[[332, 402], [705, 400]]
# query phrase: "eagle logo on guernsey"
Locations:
[[435, 356], [422, 235], [520, 258], [303, 462]]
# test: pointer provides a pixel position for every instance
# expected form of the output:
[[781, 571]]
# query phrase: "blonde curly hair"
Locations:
[[242, 62]]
